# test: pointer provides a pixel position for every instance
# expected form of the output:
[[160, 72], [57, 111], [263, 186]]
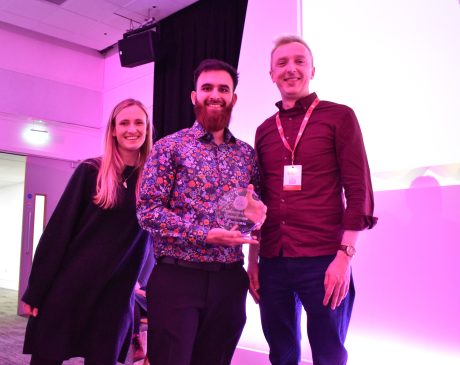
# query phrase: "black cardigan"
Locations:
[[83, 274]]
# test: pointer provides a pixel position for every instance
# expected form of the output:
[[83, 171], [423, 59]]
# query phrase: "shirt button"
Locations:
[[283, 222], [290, 118], [282, 200]]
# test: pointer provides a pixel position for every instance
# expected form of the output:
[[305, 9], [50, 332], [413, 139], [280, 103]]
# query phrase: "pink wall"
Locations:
[[265, 20], [71, 88], [54, 81], [406, 274], [50, 79]]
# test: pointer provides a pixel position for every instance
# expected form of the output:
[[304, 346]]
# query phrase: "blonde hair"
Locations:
[[286, 39], [111, 165]]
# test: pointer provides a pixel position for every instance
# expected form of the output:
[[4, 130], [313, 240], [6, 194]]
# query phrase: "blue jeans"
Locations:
[[287, 284]]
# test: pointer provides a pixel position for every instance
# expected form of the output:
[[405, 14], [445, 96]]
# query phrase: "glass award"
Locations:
[[241, 210]]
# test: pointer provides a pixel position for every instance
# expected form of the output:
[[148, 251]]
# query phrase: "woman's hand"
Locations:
[[30, 311]]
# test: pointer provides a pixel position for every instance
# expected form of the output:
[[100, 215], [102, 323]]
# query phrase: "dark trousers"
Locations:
[[136, 319], [140, 310], [287, 284], [195, 316]]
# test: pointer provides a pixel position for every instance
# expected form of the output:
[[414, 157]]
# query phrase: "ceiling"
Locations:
[[96, 24]]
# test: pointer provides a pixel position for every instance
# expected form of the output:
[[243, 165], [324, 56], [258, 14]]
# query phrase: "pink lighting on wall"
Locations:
[[406, 270], [36, 134], [406, 277]]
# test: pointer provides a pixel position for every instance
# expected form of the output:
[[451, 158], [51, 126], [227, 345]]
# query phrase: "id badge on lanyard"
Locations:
[[292, 177]]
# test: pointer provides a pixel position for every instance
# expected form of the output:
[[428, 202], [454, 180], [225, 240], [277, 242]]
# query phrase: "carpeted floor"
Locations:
[[12, 329]]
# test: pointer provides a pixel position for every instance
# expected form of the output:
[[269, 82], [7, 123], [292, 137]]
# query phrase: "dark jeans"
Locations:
[[287, 284], [195, 316]]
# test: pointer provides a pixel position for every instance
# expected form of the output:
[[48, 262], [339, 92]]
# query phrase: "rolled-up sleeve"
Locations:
[[355, 174]]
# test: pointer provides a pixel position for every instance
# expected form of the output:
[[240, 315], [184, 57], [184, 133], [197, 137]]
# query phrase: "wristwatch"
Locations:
[[348, 249]]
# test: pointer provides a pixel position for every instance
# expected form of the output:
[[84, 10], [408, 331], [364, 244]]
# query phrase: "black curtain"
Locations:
[[206, 29]]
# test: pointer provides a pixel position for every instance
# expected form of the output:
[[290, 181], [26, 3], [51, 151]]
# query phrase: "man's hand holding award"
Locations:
[[239, 212]]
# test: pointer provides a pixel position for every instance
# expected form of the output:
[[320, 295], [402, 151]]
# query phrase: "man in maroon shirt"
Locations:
[[317, 187]]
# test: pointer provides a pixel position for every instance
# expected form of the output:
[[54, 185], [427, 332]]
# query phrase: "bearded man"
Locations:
[[196, 294]]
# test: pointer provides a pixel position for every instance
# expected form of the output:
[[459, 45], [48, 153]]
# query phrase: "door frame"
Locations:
[[47, 177]]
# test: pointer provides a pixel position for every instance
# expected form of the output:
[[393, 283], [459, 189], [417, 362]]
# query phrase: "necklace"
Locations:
[[125, 179]]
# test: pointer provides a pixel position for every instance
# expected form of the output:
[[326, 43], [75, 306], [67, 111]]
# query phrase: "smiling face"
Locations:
[[130, 130], [291, 70], [213, 99]]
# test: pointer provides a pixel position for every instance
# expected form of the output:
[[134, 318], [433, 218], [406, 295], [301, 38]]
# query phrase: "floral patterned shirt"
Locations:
[[183, 179]]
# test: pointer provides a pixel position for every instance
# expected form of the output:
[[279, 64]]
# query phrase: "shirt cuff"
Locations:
[[359, 223]]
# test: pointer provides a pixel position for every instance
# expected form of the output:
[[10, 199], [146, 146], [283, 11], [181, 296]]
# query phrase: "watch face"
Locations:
[[348, 249]]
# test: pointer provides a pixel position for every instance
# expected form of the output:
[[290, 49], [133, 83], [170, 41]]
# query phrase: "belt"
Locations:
[[206, 266]]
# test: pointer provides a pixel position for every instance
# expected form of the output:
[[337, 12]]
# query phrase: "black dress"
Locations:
[[83, 274]]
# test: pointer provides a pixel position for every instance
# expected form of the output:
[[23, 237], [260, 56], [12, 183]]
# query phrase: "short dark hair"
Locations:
[[211, 64]]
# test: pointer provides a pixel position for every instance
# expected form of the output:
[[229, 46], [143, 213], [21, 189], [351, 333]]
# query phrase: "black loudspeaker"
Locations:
[[138, 49]]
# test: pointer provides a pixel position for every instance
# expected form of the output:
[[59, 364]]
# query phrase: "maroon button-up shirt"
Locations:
[[336, 190]]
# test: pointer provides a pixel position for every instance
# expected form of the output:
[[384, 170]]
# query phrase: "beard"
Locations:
[[213, 120]]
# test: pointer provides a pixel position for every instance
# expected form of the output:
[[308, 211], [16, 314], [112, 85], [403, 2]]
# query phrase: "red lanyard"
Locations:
[[302, 128]]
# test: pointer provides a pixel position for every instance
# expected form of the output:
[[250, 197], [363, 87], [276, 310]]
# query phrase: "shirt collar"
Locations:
[[302, 103], [200, 133]]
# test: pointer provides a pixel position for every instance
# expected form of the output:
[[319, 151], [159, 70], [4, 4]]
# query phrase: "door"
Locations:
[[45, 181]]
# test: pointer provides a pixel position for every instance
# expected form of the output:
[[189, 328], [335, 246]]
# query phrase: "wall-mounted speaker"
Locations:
[[138, 48]]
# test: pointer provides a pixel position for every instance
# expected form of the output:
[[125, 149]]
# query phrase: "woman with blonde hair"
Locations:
[[80, 291]]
